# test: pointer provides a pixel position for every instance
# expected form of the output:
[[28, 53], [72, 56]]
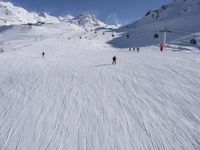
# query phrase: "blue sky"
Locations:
[[109, 11]]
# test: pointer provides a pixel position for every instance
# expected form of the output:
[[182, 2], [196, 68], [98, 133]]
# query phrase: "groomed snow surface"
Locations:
[[74, 99]]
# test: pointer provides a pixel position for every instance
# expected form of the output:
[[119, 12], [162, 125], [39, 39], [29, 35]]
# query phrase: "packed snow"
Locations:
[[75, 99]]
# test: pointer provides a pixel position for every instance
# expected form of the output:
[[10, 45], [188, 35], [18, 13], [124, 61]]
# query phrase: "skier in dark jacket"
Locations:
[[43, 54], [138, 49], [114, 60]]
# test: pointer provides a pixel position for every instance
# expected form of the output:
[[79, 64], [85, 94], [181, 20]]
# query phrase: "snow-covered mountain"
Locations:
[[10, 14], [180, 18], [66, 18], [48, 19], [13, 15], [87, 19]]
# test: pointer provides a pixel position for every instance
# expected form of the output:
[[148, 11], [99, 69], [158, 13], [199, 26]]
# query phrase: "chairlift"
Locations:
[[193, 41], [156, 35]]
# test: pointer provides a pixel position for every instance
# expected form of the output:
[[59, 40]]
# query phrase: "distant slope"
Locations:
[[181, 18], [178, 8]]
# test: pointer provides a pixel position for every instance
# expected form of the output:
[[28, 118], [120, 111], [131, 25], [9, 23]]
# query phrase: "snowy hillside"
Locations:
[[180, 18], [12, 15], [178, 8]]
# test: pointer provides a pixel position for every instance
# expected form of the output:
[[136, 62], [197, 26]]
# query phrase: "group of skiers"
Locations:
[[135, 49]]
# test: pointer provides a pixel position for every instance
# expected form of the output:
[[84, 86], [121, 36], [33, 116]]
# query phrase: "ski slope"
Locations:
[[74, 99]]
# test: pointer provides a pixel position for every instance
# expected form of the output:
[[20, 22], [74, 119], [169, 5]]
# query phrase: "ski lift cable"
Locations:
[[183, 30], [178, 32]]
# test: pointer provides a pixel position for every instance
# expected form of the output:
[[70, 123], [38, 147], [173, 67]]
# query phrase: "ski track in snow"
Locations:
[[75, 100]]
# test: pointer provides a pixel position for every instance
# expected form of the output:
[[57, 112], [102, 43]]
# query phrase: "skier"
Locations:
[[43, 54], [1, 50], [138, 49], [114, 60]]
